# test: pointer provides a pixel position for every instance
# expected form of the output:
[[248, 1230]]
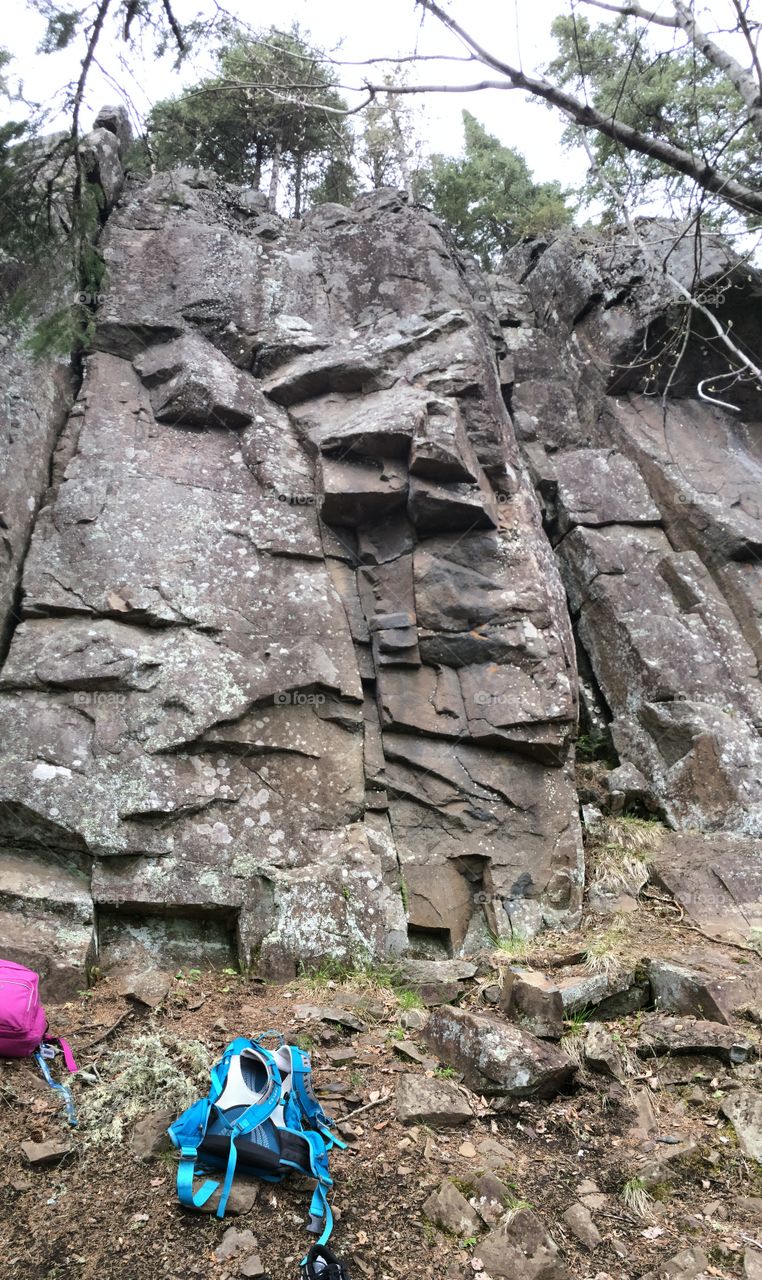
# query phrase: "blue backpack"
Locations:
[[261, 1117]]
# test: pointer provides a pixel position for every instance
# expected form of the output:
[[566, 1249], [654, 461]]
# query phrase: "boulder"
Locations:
[[689, 1264], [149, 988], [534, 1002], [431, 1101], [663, 1168], [659, 1035], [521, 1249], [42, 1154], [713, 988], [726, 907], [743, 1108], [490, 1198], [149, 1138], [235, 1243], [242, 1198], [602, 1053], [448, 1208], [496, 1057], [579, 1220], [495, 1155]]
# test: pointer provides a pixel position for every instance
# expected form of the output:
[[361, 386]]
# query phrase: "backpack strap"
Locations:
[[321, 1218], [308, 1104], [63, 1045], [250, 1119], [71, 1113]]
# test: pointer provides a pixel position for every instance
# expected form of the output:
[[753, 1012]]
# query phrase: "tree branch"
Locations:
[[634, 11], [723, 334], [742, 80], [734, 193], [174, 26], [751, 42]]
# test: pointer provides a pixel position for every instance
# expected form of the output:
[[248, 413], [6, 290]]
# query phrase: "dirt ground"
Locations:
[[104, 1214]]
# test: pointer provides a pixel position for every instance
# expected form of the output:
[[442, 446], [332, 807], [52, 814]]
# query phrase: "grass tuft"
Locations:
[[620, 852], [515, 944], [602, 953], [637, 1198]]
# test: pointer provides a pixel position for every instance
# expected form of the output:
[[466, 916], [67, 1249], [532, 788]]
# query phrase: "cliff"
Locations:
[[292, 671]]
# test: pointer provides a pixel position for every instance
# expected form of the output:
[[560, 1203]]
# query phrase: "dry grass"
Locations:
[[603, 953], [620, 852], [636, 1198]]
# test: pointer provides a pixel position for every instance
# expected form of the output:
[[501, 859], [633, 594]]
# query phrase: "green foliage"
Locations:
[[594, 745], [515, 945], [669, 93], [387, 150], [338, 184], [576, 1024], [404, 894], [62, 27], [488, 199], [272, 103], [409, 999]]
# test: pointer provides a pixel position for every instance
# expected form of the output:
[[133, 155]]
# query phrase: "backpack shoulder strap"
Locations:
[[309, 1107], [71, 1113]]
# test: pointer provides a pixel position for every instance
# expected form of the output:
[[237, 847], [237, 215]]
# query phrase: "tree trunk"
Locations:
[[298, 163], [272, 198], [256, 177], [400, 144]]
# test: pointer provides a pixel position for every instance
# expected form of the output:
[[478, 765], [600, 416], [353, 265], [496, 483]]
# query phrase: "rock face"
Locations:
[[293, 671], [652, 503]]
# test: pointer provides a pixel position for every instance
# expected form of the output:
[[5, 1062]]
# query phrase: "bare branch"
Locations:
[[372, 91], [723, 334], [734, 193], [634, 11]]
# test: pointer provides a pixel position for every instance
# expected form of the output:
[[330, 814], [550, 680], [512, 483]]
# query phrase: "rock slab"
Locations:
[[497, 1057]]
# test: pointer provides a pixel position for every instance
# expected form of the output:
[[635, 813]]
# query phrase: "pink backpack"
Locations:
[[24, 1026]]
